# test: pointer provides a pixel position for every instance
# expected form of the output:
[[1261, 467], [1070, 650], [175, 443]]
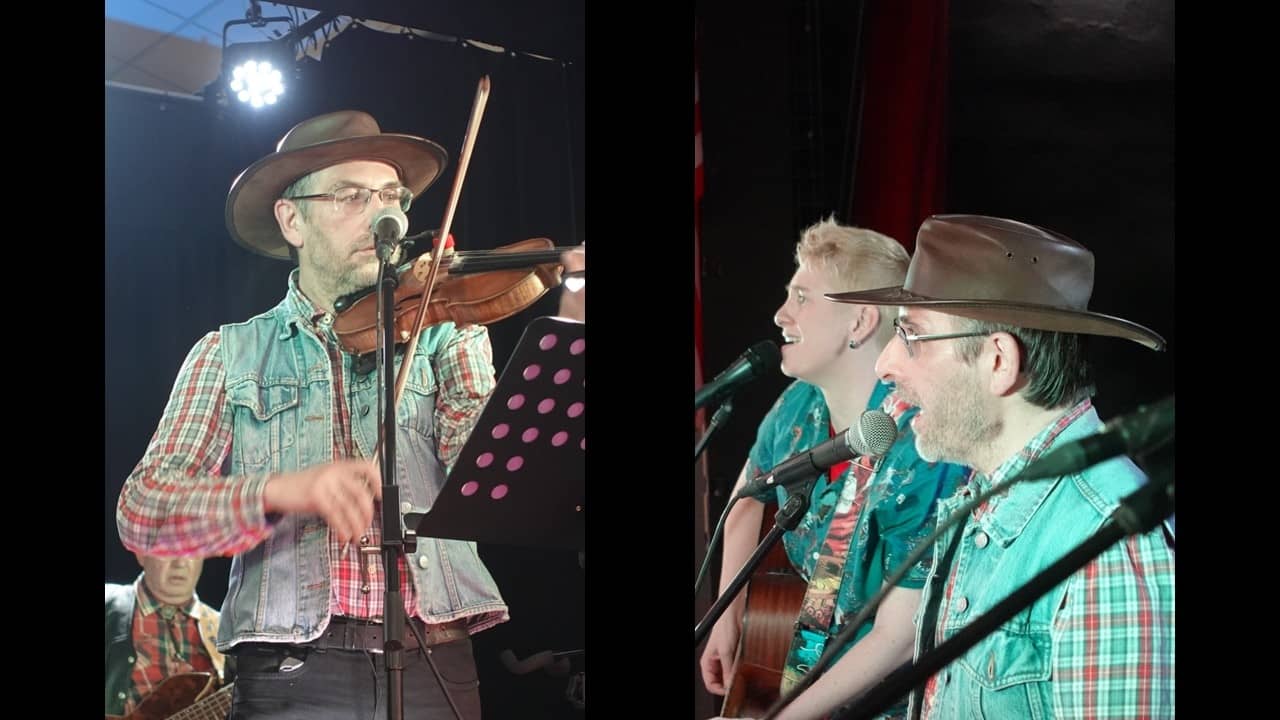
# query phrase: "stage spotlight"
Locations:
[[257, 73]]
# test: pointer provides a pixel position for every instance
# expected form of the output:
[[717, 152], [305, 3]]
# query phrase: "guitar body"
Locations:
[[768, 624], [187, 696]]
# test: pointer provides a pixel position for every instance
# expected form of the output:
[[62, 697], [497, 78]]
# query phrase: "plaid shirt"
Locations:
[[177, 500], [166, 642], [1112, 633]]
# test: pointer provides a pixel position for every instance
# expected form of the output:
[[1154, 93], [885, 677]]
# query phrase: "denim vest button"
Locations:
[[364, 410], [121, 695], [962, 604], [980, 539], [422, 561], [405, 507], [132, 659]]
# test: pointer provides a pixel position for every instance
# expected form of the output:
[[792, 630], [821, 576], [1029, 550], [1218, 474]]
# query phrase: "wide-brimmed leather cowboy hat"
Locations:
[[1003, 271], [313, 145]]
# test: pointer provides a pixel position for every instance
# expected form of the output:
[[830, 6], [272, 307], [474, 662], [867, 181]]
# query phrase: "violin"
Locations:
[[475, 287]]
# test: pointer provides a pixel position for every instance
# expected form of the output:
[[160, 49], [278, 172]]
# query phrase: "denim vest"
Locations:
[[280, 389], [1007, 674]]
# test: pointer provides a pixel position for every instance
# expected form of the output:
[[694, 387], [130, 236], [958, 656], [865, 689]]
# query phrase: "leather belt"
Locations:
[[350, 634]]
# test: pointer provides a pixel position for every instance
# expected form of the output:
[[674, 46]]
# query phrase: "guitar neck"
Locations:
[[214, 707]]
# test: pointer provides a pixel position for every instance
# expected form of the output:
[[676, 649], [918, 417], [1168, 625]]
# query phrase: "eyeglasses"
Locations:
[[353, 200], [908, 338]]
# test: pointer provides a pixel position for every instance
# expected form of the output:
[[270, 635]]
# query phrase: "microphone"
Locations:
[[874, 434], [389, 227], [749, 365], [1136, 433]]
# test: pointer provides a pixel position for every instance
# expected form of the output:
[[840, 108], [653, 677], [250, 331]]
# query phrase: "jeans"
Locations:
[[287, 682]]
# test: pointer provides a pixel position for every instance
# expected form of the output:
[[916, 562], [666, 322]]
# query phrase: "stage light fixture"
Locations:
[[257, 73]]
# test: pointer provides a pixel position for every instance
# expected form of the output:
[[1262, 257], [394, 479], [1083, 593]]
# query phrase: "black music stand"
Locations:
[[519, 479]]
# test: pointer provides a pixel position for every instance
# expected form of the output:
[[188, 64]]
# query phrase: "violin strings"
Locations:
[[502, 261]]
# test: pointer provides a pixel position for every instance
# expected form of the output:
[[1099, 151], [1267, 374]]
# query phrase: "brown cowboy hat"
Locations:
[[313, 145], [1003, 271]]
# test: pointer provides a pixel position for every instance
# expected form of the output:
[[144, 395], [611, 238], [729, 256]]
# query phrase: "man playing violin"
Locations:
[[265, 450]]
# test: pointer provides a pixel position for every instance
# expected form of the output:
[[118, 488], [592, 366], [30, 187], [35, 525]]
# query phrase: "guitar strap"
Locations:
[[817, 610]]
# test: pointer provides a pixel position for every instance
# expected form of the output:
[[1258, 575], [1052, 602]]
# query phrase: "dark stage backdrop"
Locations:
[[173, 274], [1062, 118], [1059, 115]]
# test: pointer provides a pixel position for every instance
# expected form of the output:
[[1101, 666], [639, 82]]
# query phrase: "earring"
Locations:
[[853, 344]]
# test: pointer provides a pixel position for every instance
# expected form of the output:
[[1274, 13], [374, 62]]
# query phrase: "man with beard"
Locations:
[[866, 516], [991, 321], [264, 450]]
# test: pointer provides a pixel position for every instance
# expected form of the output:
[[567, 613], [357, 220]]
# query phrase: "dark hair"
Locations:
[[1053, 362]]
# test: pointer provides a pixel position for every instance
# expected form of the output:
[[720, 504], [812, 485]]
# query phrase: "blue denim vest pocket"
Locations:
[[1008, 672], [263, 429]]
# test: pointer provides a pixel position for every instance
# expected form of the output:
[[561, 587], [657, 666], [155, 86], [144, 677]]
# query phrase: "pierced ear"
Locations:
[[865, 324], [1006, 363]]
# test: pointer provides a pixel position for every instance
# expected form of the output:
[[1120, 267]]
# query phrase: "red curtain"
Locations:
[[900, 177]]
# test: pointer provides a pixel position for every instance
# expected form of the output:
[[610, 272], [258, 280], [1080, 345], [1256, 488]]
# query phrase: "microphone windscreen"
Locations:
[[765, 355], [390, 223], [876, 433]]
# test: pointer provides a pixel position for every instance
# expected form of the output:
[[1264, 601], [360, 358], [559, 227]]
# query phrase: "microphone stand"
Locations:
[[1139, 512], [787, 518], [393, 536], [722, 413]]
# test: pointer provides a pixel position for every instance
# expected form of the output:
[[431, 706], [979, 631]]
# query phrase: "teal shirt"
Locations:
[[898, 513]]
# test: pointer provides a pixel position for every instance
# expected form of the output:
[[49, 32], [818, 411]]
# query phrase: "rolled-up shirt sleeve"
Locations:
[[177, 500]]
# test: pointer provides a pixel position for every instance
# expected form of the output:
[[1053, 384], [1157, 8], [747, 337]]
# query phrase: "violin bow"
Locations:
[[464, 160]]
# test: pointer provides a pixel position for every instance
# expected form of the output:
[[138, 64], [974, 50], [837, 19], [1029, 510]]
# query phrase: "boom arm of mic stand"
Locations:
[[721, 414], [787, 518], [1138, 513]]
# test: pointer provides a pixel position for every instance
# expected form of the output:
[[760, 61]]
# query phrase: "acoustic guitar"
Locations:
[[186, 696], [768, 624]]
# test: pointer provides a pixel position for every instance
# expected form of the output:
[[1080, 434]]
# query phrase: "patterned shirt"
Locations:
[[190, 507], [1110, 641], [166, 642], [890, 512]]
